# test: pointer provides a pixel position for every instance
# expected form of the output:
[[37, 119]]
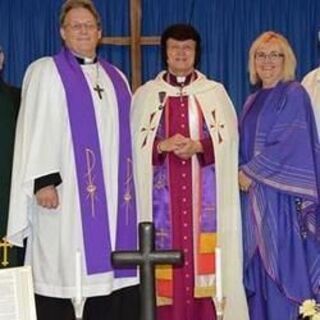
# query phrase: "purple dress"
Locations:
[[280, 153]]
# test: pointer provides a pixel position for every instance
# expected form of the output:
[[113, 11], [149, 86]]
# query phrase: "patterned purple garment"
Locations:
[[280, 152]]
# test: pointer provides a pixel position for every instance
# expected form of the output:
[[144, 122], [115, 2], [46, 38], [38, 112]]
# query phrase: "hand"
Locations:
[[172, 144], [244, 181], [188, 149], [47, 197]]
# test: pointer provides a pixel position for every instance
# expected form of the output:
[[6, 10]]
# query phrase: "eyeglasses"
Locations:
[[76, 27], [273, 56], [185, 48]]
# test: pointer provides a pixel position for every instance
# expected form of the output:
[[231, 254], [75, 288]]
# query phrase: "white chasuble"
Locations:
[[44, 146]]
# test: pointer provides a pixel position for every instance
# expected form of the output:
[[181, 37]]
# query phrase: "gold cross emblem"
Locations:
[[5, 245], [91, 187], [127, 196]]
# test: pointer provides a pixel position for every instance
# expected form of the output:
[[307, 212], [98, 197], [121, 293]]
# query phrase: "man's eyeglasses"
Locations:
[[273, 56], [76, 27]]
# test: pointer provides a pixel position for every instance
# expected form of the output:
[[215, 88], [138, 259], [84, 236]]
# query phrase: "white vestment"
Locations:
[[312, 84], [221, 122], [44, 146]]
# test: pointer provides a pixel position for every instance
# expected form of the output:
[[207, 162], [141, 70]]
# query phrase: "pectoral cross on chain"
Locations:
[[99, 90], [5, 245]]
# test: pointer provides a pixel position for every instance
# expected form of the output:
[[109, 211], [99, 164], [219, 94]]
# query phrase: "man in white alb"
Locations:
[[72, 195]]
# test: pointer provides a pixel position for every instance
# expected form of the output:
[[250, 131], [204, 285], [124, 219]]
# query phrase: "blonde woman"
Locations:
[[279, 180]]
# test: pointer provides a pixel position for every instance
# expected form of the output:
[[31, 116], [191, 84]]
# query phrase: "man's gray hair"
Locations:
[[72, 4]]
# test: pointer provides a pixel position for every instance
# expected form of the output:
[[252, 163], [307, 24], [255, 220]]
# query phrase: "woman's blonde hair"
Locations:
[[289, 59]]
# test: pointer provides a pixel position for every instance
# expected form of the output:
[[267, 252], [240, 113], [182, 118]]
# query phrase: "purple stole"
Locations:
[[89, 168]]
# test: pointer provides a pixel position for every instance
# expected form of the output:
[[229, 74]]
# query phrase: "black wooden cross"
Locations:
[[146, 258], [98, 89], [135, 40]]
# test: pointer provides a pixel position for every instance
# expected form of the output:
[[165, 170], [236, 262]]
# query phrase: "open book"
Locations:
[[16, 294]]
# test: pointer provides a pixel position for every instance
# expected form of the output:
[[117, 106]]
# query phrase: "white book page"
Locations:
[[16, 294]]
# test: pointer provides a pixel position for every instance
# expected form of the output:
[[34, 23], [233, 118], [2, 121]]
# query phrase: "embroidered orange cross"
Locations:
[[216, 126], [148, 129]]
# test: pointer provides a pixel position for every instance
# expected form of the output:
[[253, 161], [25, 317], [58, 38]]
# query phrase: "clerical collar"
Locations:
[[179, 81], [86, 60]]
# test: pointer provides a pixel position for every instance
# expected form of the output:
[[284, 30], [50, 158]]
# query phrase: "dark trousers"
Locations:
[[120, 305]]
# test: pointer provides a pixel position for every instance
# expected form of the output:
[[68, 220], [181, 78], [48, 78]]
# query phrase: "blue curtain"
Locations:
[[30, 29]]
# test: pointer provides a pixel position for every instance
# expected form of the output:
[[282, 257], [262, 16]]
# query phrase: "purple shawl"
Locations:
[[284, 167]]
